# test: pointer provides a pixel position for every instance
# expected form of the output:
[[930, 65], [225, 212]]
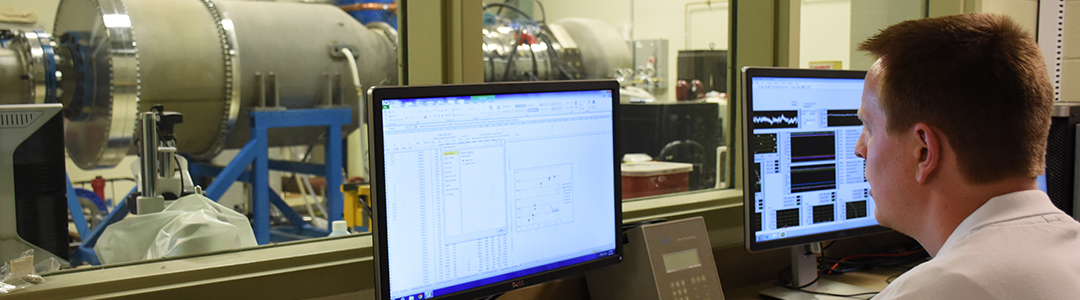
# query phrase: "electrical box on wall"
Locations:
[[650, 64]]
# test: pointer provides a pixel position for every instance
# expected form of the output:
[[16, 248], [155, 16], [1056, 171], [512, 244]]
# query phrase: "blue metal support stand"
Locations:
[[76, 211], [86, 253], [254, 154], [255, 151]]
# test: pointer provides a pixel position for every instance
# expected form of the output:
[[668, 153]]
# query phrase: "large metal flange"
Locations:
[[230, 50], [109, 87]]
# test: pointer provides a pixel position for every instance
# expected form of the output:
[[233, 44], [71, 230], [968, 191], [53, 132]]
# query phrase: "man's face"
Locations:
[[889, 170]]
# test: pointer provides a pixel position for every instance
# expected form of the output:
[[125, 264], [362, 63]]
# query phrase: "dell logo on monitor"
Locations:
[[517, 284]]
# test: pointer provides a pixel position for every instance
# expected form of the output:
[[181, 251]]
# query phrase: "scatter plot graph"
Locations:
[[544, 196]]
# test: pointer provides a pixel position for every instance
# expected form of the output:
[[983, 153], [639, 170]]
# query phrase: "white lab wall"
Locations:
[[1024, 12], [654, 19], [868, 17], [1070, 77], [825, 32], [45, 9]]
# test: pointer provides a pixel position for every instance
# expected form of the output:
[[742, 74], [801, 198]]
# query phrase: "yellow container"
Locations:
[[357, 205]]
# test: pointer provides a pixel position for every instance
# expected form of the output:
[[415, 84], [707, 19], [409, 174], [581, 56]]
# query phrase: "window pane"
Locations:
[[669, 56], [210, 73], [831, 29]]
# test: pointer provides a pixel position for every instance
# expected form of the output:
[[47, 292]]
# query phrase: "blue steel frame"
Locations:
[[86, 253], [254, 154], [255, 151]]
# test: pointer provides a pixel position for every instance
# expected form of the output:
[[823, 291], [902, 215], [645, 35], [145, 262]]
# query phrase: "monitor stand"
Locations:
[[804, 269]]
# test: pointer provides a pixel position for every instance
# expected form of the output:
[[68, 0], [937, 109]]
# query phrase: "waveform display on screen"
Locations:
[[856, 209], [823, 213], [842, 117], [787, 218], [813, 146], [776, 119], [813, 178], [764, 143]]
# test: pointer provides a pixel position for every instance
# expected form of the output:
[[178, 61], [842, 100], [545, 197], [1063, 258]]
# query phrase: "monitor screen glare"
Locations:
[[484, 189]]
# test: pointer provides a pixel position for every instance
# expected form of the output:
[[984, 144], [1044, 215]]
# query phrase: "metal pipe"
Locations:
[[261, 81], [168, 165], [201, 73], [148, 152], [273, 82]]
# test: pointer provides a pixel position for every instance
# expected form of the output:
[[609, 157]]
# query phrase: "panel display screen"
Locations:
[[805, 183]]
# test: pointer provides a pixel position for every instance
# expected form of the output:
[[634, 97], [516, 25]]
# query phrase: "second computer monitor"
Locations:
[[484, 188], [803, 182]]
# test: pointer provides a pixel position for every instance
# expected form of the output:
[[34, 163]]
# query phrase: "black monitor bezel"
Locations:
[[748, 73], [378, 187]]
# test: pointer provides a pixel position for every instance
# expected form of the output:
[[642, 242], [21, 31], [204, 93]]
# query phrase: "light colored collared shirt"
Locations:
[[1016, 246]]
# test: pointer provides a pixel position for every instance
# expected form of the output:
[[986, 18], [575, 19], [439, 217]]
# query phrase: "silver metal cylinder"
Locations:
[[603, 49], [148, 153], [27, 66], [200, 58], [567, 49]]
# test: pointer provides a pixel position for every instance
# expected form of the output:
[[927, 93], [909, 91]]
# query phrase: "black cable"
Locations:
[[513, 54], [628, 226], [491, 61], [842, 266], [827, 246], [786, 284], [500, 8], [869, 246], [177, 160], [543, 14], [535, 72], [894, 277], [883, 260], [511, 7], [555, 60], [839, 295]]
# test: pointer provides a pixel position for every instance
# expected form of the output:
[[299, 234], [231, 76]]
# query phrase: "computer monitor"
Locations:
[[803, 183], [33, 202], [484, 188]]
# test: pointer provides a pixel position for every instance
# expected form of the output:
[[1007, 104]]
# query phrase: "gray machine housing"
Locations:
[[645, 274]]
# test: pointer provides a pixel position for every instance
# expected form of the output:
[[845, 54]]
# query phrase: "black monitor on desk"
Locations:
[[484, 188], [803, 183]]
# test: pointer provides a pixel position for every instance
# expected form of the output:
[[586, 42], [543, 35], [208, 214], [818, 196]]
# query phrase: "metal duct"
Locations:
[[209, 60]]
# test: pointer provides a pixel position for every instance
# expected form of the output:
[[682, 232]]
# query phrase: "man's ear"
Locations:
[[929, 150]]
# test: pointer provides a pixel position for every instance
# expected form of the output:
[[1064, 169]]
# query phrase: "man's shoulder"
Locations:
[[934, 280], [1014, 260], [1049, 235]]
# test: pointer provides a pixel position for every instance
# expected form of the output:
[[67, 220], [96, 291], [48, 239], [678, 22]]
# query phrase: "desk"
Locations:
[[742, 274], [874, 280]]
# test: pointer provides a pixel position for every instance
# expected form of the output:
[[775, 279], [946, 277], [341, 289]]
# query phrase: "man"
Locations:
[[956, 112]]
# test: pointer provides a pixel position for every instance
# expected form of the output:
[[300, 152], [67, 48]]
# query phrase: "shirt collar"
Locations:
[[1006, 207]]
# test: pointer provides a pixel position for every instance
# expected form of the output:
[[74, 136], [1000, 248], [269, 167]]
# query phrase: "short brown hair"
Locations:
[[980, 79]]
